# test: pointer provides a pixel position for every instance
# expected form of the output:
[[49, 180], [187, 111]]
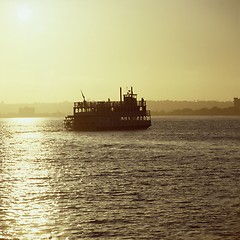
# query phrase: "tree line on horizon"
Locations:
[[215, 111]]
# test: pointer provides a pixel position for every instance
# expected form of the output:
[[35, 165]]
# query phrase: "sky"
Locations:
[[51, 50]]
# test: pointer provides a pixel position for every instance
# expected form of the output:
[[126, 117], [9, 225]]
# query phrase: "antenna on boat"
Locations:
[[83, 96], [120, 94]]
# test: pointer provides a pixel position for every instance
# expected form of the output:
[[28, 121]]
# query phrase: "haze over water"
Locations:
[[177, 180], [165, 49]]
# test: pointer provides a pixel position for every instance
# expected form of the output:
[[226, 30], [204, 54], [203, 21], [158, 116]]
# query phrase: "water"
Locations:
[[177, 180]]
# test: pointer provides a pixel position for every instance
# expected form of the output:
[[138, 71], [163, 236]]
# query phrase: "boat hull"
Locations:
[[111, 127], [119, 128]]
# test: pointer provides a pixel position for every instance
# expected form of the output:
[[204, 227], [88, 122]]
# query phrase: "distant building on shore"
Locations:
[[26, 112], [237, 103]]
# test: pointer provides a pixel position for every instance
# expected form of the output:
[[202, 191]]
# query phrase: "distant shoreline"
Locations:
[[40, 115], [157, 108], [215, 111]]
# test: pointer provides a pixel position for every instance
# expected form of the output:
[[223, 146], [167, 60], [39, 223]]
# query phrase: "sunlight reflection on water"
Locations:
[[27, 211], [177, 180]]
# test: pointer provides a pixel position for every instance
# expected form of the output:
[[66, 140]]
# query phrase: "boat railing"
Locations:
[[103, 104]]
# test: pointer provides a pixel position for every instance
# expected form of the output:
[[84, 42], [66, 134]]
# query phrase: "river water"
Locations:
[[179, 179]]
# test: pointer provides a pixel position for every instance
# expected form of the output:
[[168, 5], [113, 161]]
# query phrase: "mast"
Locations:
[[120, 94], [83, 96]]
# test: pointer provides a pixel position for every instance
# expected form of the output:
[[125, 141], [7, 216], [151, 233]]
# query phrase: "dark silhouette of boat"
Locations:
[[126, 114]]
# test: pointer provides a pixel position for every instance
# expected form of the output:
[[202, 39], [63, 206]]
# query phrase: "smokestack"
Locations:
[[120, 94]]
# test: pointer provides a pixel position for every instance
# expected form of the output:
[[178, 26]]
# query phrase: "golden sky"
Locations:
[[50, 50]]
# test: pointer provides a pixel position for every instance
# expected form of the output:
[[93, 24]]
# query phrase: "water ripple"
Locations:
[[177, 180]]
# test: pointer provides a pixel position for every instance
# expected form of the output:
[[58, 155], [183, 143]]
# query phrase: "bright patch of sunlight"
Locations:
[[24, 13], [26, 194], [24, 121]]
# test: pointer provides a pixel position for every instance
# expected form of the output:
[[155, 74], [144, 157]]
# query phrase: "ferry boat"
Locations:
[[126, 114]]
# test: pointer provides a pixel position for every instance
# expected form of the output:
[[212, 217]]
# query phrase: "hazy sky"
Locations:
[[50, 50]]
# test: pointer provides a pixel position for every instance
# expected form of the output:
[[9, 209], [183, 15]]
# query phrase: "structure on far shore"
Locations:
[[237, 103]]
